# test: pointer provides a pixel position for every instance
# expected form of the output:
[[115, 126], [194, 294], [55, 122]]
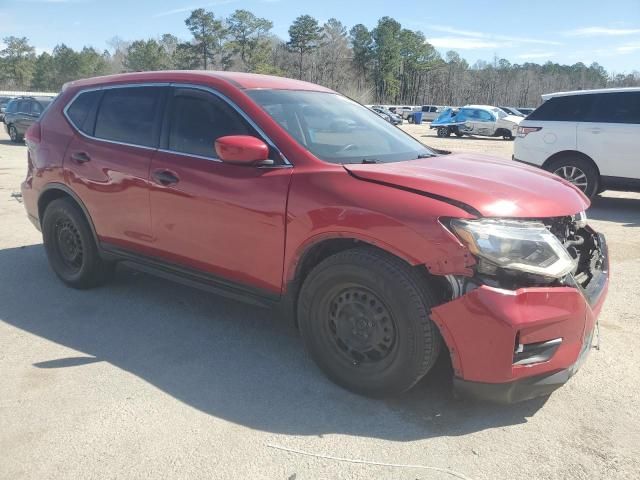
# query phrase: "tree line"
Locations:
[[385, 64]]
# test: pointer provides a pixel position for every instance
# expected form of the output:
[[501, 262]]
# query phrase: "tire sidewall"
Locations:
[[55, 211], [407, 356], [584, 165]]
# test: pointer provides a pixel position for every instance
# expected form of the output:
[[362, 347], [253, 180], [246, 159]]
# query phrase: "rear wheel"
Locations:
[[71, 249], [578, 171], [507, 135], [364, 317], [13, 134], [444, 132]]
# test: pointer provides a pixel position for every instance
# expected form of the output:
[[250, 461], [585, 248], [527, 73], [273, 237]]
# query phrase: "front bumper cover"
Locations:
[[481, 329]]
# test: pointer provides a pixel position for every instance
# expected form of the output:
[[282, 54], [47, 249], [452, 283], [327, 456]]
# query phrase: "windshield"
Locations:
[[336, 129]]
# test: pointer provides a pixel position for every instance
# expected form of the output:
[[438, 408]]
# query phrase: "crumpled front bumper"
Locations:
[[481, 329]]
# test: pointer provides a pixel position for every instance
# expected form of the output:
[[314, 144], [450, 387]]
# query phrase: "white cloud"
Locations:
[[190, 8], [601, 31], [463, 43], [628, 47], [492, 37], [535, 55]]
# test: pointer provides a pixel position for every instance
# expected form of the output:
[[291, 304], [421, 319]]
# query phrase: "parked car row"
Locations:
[[22, 112], [482, 120]]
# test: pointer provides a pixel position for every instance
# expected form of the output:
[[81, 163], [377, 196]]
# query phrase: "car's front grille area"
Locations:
[[582, 243]]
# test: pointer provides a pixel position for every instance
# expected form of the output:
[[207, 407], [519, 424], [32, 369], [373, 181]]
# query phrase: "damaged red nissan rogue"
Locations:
[[383, 252]]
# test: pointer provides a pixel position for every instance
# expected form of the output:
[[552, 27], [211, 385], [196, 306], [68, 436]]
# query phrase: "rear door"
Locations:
[[107, 162], [610, 134], [23, 115], [222, 219]]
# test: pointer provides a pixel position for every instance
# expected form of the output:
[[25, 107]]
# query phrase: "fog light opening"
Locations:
[[529, 353]]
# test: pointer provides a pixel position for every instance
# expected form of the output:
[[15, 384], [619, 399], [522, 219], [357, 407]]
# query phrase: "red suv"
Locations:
[[380, 250]]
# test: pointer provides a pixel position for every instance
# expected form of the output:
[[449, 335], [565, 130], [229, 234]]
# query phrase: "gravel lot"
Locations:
[[147, 379]]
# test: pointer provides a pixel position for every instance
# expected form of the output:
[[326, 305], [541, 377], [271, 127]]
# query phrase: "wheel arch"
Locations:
[[316, 250], [54, 191], [569, 153]]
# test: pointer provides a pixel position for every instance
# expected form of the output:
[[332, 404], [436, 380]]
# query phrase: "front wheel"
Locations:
[[444, 132], [71, 249], [364, 318]]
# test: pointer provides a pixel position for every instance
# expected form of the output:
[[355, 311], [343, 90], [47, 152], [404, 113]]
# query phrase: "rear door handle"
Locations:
[[80, 157], [165, 177]]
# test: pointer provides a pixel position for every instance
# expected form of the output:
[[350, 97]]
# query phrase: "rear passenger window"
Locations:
[[130, 115], [620, 107], [80, 109], [571, 108], [198, 119]]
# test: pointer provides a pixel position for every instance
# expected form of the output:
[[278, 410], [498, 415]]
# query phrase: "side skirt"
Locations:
[[190, 277]]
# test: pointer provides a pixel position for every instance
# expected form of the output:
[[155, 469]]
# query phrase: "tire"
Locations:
[[458, 133], [71, 248], [444, 132], [363, 297], [507, 135], [13, 134], [579, 171]]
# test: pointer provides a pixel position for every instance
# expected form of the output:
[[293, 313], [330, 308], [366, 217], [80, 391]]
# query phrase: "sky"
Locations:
[[563, 31]]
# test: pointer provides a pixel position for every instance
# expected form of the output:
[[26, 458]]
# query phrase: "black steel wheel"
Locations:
[[70, 246], [364, 318]]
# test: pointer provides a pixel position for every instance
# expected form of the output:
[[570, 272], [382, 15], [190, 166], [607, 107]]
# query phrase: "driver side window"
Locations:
[[198, 118], [483, 116]]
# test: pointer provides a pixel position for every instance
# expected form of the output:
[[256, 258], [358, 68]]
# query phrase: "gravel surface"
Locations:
[[147, 379]]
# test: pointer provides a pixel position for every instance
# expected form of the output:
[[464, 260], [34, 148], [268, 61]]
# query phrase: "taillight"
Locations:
[[33, 134], [524, 131]]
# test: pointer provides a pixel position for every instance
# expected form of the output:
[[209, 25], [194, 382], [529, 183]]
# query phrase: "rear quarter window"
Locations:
[[80, 109], [571, 108]]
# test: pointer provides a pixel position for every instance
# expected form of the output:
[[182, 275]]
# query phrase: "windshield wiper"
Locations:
[[369, 160], [425, 155]]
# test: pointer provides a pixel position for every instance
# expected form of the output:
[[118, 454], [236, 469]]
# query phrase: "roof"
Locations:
[[547, 96], [482, 107], [238, 79]]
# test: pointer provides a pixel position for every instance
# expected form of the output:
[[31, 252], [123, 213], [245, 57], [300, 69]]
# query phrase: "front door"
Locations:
[[223, 219]]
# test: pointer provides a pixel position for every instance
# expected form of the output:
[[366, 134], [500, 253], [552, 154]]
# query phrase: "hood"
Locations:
[[490, 186]]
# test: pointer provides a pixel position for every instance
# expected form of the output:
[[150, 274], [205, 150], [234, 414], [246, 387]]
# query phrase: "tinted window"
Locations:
[[617, 108], [36, 108], [198, 119], [129, 115], [572, 108], [80, 109], [24, 106]]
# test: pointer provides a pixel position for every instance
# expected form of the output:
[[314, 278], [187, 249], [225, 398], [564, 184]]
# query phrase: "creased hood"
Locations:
[[490, 186]]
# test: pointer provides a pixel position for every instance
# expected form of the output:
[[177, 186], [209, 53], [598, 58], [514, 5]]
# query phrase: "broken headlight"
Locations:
[[525, 246]]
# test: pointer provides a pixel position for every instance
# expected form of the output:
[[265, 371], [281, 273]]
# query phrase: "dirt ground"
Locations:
[[147, 379]]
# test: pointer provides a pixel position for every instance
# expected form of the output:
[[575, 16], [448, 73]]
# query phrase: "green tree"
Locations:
[[362, 48], [17, 62], [145, 55], [208, 33], [67, 65], [185, 57], [387, 58], [44, 73], [304, 37], [92, 64], [249, 38]]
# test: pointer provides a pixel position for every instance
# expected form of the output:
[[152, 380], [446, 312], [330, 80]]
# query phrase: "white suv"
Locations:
[[590, 138]]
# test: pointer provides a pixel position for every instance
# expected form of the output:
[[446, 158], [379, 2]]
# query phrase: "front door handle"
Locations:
[[80, 157], [165, 177]]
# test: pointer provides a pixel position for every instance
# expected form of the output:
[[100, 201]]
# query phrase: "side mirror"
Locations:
[[241, 149]]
